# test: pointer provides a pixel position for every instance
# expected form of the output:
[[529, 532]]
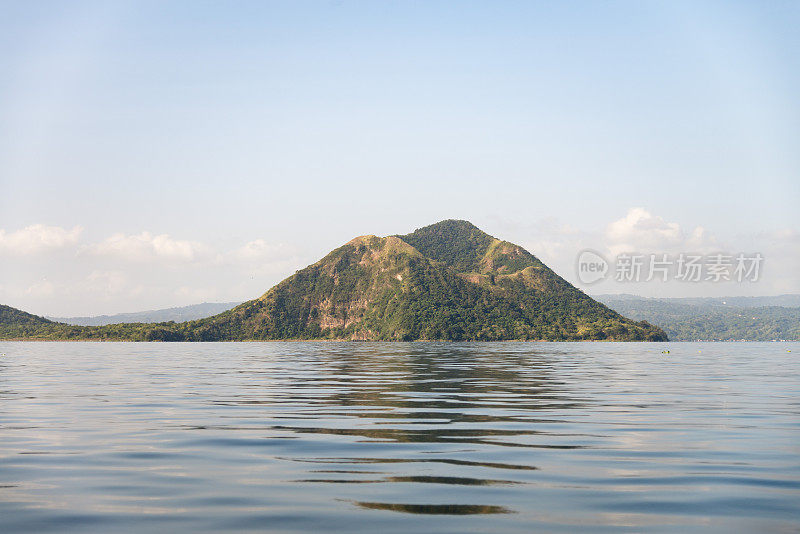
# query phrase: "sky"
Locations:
[[157, 154]]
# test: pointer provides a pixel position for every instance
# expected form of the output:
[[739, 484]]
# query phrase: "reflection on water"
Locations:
[[459, 481], [416, 460], [448, 509], [363, 436]]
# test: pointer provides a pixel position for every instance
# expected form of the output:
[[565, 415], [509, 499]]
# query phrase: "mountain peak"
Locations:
[[362, 240], [451, 226], [449, 280], [467, 249], [454, 223], [459, 244]]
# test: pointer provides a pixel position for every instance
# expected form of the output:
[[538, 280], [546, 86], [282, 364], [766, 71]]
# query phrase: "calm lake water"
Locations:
[[404, 437]]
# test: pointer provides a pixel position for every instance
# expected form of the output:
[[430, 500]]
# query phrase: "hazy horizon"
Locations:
[[161, 155], [228, 305]]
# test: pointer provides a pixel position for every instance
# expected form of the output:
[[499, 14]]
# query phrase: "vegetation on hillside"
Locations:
[[710, 319], [447, 281]]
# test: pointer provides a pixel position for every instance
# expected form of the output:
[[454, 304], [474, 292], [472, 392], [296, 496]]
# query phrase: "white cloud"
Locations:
[[640, 231], [146, 246], [135, 271], [38, 238]]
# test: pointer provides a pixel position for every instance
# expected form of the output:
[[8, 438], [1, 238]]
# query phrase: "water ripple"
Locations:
[[293, 437]]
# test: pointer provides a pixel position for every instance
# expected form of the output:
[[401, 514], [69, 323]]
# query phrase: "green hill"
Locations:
[[13, 316], [715, 319], [447, 281], [15, 323]]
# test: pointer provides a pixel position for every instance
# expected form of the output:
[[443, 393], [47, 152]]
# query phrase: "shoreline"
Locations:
[[36, 340]]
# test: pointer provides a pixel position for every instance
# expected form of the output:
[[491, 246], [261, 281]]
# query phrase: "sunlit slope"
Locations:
[[445, 281]]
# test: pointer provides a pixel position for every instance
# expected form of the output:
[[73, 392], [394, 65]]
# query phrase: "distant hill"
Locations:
[[784, 301], [715, 319], [15, 324], [446, 281], [9, 315], [178, 315]]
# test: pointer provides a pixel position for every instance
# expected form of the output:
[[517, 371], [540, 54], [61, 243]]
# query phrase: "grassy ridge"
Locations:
[[447, 281]]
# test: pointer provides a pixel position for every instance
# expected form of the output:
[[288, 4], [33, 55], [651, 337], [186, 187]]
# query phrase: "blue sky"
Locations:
[[157, 154]]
